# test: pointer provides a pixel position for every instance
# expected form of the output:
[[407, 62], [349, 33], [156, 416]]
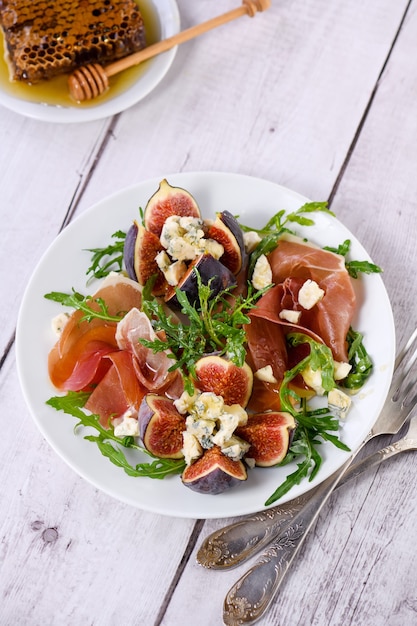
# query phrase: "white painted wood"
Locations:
[[281, 96]]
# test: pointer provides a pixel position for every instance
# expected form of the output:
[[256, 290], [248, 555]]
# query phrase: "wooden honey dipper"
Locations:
[[89, 81]]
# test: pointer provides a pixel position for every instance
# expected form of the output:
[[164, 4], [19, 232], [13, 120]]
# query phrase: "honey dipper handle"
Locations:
[[248, 7]]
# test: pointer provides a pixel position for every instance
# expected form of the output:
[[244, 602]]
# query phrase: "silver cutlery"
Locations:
[[231, 545], [249, 598]]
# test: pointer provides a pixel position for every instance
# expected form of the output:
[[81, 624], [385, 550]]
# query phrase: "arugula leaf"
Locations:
[[92, 307], [312, 426], [213, 324], [354, 267], [278, 225], [359, 359], [107, 442], [108, 259]]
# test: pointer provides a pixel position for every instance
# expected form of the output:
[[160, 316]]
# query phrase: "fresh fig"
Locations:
[[166, 201], [213, 473], [269, 434], [231, 222], [161, 427], [129, 251], [225, 379], [146, 247], [210, 270], [221, 232]]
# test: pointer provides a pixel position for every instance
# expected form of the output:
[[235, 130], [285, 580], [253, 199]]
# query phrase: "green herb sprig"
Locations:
[[107, 259], [212, 324], [278, 225], [313, 427], [354, 268], [110, 445], [92, 307]]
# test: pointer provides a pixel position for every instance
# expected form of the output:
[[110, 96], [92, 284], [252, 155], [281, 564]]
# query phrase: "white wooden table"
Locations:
[[319, 97]]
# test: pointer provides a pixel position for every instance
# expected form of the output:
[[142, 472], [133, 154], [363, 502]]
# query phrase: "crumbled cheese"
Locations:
[[341, 369], [211, 422], [185, 402], [183, 237], [266, 374], [310, 294], [251, 240], [290, 316], [126, 425], [191, 449], [175, 272], [163, 261], [58, 323], [207, 404], [202, 429], [235, 448], [339, 402], [262, 273], [214, 248], [313, 379]]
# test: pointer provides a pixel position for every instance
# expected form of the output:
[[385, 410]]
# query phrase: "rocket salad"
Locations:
[[212, 347]]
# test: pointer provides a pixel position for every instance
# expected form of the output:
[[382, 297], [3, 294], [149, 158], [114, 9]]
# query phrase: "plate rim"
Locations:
[[109, 199]]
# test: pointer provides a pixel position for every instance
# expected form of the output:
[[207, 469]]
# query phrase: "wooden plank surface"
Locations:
[[316, 96]]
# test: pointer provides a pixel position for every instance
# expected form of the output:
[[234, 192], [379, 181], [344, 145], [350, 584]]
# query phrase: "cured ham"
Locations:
[[69, 363], [332, 316], [119, 391], [108, 359], [294, 262], [152, 369]]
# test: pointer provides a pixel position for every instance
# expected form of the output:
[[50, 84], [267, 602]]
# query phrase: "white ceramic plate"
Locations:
[[64, 266], [156, 68]]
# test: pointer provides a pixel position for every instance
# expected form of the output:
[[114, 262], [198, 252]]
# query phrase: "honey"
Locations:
[[55, 92]]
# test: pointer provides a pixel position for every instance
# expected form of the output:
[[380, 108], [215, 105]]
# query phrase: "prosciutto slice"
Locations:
[[330, 318], [328, 321], [152, 369], [119, 390], [81, 340]]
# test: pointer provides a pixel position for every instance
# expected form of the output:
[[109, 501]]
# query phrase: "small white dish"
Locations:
[[64, 266], [154, 70]]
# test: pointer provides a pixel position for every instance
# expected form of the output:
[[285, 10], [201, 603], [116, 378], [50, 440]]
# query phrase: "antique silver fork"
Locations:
[[252, 594], [233, 544]]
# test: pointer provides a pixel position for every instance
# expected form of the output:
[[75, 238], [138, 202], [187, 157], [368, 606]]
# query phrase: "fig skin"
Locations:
[[231, 222], [214, 473], [129, 251], [269, 434], [147, 246], [221, 232], [210, 269], [161, 427], [167, 201], [224, 378]]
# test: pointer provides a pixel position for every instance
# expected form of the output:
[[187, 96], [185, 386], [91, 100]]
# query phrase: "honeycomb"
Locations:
[[45, 39]]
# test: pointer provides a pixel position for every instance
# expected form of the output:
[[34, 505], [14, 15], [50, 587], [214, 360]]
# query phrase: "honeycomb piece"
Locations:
[[45, 39]]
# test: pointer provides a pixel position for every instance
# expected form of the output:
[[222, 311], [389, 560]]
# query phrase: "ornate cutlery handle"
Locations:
[[233, 544], [252, 594]]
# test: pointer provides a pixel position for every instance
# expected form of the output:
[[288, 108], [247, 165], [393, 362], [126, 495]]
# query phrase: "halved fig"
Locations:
[[222, 233], [166, 201], [210, 270], [213, 473], [269, 434], [225, 379], [147, 246], [161, 427], [231, 222]]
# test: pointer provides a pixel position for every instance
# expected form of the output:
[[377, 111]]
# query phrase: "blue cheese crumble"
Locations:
[[209, 422]]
